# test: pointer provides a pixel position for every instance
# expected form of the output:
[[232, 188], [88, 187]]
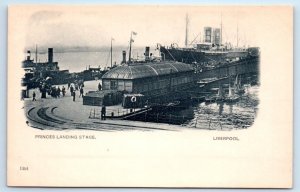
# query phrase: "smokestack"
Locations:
[[147, 54], [28, 55], [207, 34], [216, 36], [50, 55], [124, 56]]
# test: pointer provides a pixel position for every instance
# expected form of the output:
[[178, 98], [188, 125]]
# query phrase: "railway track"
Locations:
[[44, 118]]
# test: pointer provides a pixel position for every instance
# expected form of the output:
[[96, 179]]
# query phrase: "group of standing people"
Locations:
[[57, 92], [76, 88]]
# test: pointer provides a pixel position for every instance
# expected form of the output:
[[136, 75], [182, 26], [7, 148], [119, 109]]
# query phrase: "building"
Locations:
[[150, 79]]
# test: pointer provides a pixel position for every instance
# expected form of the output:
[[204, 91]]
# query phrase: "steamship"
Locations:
[[210, 51], [38, 72]]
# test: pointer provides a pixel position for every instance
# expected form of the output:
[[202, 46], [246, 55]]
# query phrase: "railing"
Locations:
[[116, 113]]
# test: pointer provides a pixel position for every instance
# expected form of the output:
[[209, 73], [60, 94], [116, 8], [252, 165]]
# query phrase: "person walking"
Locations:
[[76, 86], [81, 92], [103, 112], [58, 92], [99, 87], [63, 90], [33, 96], [74, 94], [69, 84], [71, 90]]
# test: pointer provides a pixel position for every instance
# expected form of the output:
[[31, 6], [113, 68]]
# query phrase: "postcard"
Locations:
[[150, 96]]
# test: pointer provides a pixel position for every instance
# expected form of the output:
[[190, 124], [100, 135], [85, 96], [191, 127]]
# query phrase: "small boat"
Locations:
[[210, 99], [232, 97], [216, 98], [238, 88]]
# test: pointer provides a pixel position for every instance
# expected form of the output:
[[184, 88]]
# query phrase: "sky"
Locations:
[[94, 26]]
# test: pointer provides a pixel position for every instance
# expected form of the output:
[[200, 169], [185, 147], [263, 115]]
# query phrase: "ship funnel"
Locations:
[[147, 54], [124, 56], [50, 55], [28, 55], [207, 34], [216, 36]]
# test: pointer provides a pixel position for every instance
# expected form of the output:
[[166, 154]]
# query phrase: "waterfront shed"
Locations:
[[149, 78]]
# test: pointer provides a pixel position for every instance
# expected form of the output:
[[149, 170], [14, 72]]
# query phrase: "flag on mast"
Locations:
[[134, 33]]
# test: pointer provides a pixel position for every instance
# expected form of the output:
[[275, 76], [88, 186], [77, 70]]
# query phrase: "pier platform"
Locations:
[[64, 114]]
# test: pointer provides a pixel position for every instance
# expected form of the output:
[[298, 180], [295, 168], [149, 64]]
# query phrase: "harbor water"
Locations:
[[79, 61], [220, 115], [223, 115]]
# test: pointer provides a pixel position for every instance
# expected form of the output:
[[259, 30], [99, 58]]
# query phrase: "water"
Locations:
[[79, 61], [222, 115], [216, 115]]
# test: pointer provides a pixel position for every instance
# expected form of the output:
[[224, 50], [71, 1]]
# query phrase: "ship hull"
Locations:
[[195, 56]]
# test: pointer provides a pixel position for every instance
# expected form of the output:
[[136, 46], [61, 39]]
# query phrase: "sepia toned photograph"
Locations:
[[97, 76], [150, 96]]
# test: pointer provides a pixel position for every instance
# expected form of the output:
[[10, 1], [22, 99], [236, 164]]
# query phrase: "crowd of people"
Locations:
[[60, 91]]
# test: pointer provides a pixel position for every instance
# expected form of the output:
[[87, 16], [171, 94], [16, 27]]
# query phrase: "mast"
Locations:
[[36, 57], [237, 34], [221, 31], [131, 41], [220, 91], [230, 90], [237, 83], [111, 52], [186, 29], [129, 59]]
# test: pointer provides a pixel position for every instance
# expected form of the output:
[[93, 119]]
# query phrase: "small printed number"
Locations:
[[23, 168]]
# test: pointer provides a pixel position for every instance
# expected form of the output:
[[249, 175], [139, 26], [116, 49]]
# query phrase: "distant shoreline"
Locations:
[[57, 49]]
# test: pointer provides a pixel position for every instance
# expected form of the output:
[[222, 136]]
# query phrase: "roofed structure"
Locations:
[[144, 70]]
